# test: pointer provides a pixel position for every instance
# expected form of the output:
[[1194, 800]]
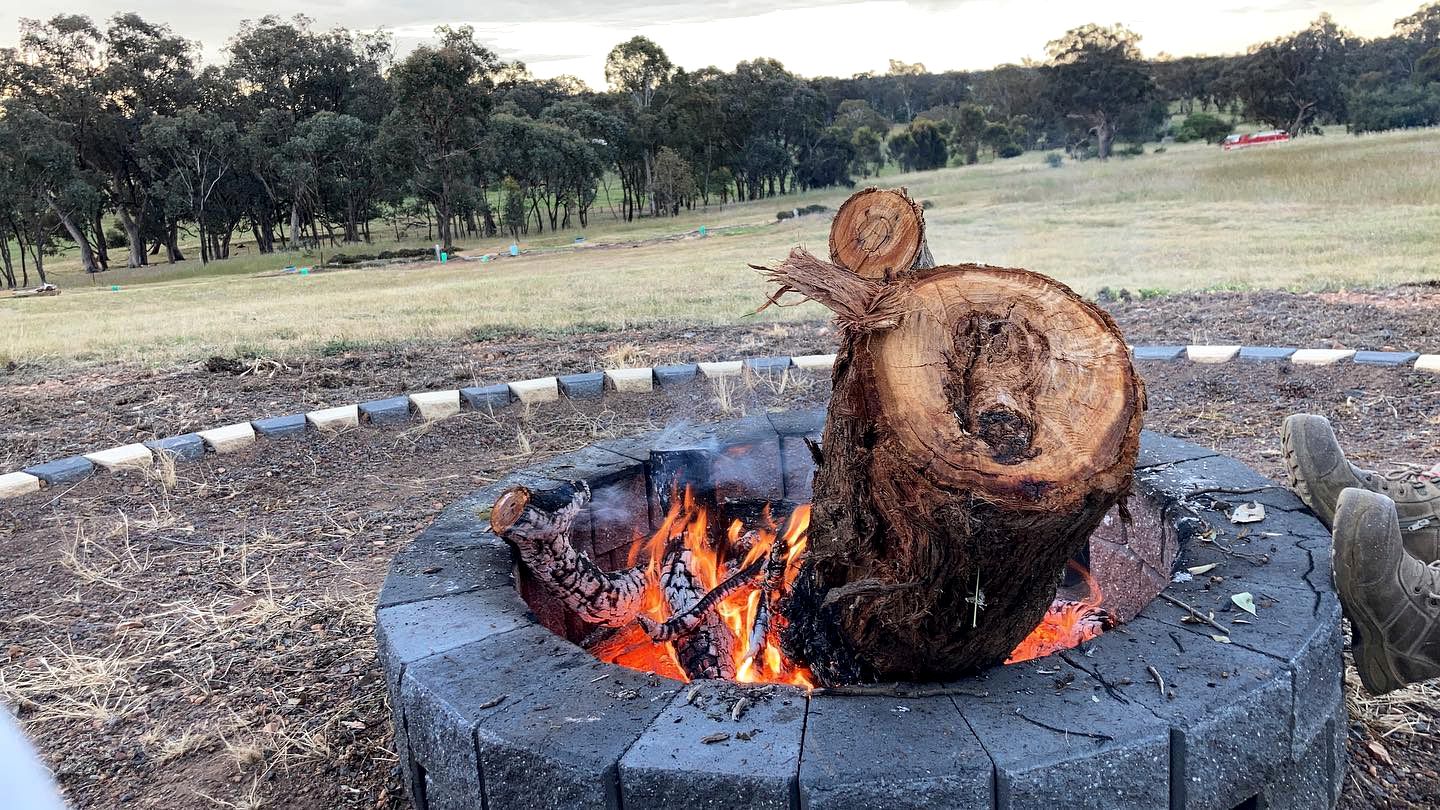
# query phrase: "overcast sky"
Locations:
[[810, 38]]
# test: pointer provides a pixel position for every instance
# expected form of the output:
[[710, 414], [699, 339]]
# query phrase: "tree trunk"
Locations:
[[983, 421], [134, 236], [87, 257]]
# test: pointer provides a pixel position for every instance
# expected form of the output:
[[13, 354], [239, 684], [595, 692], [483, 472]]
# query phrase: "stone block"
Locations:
[[280, 427], [543, 720], [1211, 354], [487, 397], [723, 368], [1030, 715], [631, 380], [799, 466], [814, 362], [536, 391], [1320, 357], [455, 554], [1386, 358], [435, 405], [798, 423], [388, 411], [1263, 354], [770, 366], [189, 447], [863, 753], [62, 470], [1160, 353], [15, 484], [589, 385], [1428, 362], [337, 418], [1305, 784], [671, 376], [229, 438], [1228, 708], [672, 766], [1157, 449], [125, 456]]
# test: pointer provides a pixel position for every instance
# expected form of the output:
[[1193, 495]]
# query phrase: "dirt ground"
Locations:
[[201, 635]]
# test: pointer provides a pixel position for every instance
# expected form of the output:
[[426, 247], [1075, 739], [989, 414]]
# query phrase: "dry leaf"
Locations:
[[1378, 751], [1252, 512], [1245, 602], [1221, 639], [1202, 569]]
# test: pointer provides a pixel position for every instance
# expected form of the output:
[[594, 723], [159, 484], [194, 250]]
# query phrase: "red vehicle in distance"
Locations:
[[1255, 139]]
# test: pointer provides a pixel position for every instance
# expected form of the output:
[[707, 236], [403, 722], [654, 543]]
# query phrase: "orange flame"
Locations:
[[1066, 624], [631, 648]]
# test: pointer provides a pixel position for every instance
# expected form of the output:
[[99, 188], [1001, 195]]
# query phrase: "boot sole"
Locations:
[[1297, 480]]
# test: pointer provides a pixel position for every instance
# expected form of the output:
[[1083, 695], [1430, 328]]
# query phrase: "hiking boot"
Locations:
[[1391, 598], [1318, 472]]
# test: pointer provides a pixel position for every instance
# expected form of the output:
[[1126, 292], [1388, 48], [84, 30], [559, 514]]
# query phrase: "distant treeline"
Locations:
[[117, 141]]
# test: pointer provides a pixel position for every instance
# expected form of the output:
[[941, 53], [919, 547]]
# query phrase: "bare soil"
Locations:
[[202, 635]]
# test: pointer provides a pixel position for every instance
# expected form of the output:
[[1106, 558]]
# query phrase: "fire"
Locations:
[[710, 565], [1066, 624]]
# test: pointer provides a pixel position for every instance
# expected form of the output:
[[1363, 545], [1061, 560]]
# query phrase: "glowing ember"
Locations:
[[1066, 624], [709, 565]]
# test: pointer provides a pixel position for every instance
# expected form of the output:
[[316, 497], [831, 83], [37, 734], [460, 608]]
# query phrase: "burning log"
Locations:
[[983, 421], [686, 620], [541, 536], [706, 650], [771, 589]]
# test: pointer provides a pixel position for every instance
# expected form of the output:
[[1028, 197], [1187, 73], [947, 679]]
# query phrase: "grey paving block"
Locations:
[[808, 422], [453, 555], [767, 365], [671, 376], [187, 447], [1386, 358], [389, 411], [590, 385], [799, 465], [1035, 714], [672, 766], [281, 427], [1264, 354], [487, 397], [62, 470], [1157, 449], [1163, 353], [543, 720], [863, 753], [1229, 709], [1307, 781]]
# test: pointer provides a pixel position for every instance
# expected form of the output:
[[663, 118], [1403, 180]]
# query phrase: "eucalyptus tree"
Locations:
[[1099, 81]]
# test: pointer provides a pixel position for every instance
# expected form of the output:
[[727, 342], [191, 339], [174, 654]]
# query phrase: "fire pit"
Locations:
[[1188, 701]]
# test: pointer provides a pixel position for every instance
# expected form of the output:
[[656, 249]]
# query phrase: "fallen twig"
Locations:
[[1194, 612]]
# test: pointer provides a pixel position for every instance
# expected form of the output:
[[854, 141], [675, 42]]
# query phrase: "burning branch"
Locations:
[[542, 538], [686, 621], [706, 651]]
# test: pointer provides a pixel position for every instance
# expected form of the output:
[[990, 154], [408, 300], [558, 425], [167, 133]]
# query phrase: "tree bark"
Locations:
[[983, 422]]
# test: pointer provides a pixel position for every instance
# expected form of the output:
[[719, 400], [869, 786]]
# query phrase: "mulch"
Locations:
[[204, 634]]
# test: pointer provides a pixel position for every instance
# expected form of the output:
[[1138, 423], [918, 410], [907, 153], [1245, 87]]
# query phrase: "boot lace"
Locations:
[[1406, 479]]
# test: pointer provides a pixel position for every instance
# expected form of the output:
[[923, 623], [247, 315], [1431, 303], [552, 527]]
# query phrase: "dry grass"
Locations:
[[1320, 213]]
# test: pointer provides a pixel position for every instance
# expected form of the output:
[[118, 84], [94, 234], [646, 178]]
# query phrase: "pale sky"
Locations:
[[811, 38]]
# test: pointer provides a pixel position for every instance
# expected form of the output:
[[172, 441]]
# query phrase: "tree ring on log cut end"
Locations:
[[508, 509], [877, 233], [1006, 382]]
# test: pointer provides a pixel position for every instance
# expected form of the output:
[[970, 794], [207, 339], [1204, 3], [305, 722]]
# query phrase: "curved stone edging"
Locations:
[[490, 706], [431, 405]]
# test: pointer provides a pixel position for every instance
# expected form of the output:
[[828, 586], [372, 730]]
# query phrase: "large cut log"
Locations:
[[983, 421]]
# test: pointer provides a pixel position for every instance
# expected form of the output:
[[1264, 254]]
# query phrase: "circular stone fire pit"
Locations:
[[495, 703]]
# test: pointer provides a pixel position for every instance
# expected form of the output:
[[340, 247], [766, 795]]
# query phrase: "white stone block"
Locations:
[[1321, 357], [229, 438], [13, 485], [1211, 354], [541, 389], [337, 418], [1428, 362], [723, 368], [631, 380], [814, 362], [433, 405], [119, 458]]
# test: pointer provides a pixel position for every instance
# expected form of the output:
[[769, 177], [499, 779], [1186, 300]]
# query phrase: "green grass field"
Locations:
[[1321, 213]]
